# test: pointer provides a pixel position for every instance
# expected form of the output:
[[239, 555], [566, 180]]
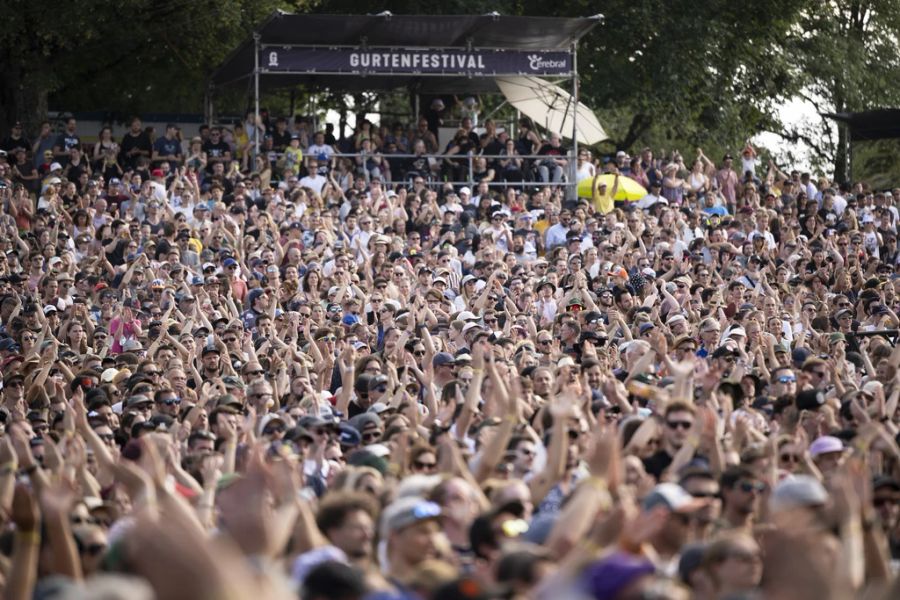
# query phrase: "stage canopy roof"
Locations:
[[870, 125], [431, 54]]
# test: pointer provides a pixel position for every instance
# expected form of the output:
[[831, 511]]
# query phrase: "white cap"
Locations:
[[797, 491], [470, 326], [825, 444], [268, 418], [465, 190], [379, 450], [675, 319], [55, 166]]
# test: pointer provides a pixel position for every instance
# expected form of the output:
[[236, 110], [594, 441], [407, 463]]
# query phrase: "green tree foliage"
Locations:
[[846, 57], [665, 73], [123, 56]]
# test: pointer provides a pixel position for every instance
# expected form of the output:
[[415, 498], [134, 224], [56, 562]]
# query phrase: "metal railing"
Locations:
[[567, 181]]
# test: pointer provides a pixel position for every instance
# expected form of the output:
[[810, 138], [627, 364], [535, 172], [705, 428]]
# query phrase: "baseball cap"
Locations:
[[825, 444], [349, 436], [676, 318], [672, 496], [797, 491], [374, 382], [405, 512], [442, 358], [8, 344], [209, 349], [365, 420], [268, 418], [109, 375], [609, 577], [723, 351]]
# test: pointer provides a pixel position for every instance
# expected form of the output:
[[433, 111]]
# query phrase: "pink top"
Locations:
[[130, 330]]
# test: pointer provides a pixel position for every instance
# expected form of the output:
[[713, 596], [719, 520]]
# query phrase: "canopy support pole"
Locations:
[[572, 188], [293, 105], [208, 108], [256, 48]]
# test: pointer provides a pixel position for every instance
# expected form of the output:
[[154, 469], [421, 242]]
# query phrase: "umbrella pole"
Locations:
[[572, 188], [256, 50]]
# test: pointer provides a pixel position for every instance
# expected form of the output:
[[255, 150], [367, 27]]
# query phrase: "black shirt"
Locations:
[[140, 141], [215, 150], [12, 144], [658, 463], [66, 142], [280, 141]]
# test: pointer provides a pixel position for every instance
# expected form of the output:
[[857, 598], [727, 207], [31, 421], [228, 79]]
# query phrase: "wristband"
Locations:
[[32, 537], [597, 482]]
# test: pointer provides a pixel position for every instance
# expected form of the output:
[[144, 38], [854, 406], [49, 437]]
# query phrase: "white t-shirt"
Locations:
[[314, 183], [585, 171], [322, 153]]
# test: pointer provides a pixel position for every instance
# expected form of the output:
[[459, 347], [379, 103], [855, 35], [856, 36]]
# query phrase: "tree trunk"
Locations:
[[841, 156], [640, 123], [23, 97]]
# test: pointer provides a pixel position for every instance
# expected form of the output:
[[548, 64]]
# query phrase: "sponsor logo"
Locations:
[[536, 62]]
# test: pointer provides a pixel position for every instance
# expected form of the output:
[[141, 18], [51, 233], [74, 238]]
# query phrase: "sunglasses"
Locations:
[[679, 424], [787, 379], [705, 494], [751, 486], [172, 401], [425, 466], [371, 436], [787, 457]]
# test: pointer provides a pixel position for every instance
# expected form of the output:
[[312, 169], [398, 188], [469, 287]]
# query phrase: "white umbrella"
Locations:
[[551, 107]]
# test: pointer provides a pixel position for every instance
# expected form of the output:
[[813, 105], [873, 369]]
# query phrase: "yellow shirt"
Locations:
[[603, 203], [292, 159], [240, 142]]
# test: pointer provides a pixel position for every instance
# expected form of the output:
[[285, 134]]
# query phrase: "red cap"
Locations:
[[156, 173]]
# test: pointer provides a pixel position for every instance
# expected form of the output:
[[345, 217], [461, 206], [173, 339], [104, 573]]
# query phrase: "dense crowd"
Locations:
[[294, 373]]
